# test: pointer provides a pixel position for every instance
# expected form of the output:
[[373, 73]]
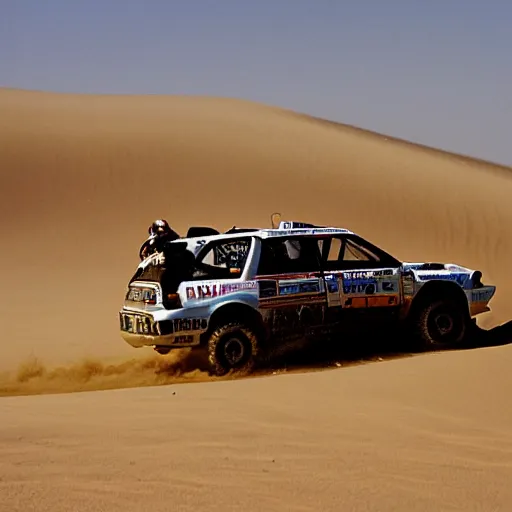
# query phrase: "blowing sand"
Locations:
[[83, 176]]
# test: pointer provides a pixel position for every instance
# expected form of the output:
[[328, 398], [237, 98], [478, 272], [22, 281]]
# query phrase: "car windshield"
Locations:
[[219, 259]]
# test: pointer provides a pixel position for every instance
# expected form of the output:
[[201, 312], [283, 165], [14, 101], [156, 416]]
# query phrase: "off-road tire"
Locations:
[[441, 323], [239, 337]]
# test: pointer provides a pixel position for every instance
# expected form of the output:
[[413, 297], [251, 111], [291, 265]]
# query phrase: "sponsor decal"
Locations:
[[366, 286], [226, 288], [359, 282], [189, 324], [206, 291], [368, 282], [457, 277], [294, 288], [365, 274], [209, 291], [288, 287]]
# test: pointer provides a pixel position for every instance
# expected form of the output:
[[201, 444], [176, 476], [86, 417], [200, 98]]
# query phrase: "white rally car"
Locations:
[[247, 292]]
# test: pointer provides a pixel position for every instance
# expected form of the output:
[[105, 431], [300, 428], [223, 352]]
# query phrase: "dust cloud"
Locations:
[[33, 376]]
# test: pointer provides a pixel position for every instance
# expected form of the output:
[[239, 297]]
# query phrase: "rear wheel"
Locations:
[[441, 323], [232, 347]]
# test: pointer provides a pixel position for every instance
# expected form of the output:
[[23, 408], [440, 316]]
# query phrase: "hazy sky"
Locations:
[[438, 72]]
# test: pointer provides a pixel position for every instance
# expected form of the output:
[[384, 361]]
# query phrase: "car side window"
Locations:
[[345, 253], [223, 259], [355, 252], [288, 256], [330, 248]]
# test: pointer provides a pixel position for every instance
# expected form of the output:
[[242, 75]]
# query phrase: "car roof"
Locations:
[[266, 233], [285, 229]]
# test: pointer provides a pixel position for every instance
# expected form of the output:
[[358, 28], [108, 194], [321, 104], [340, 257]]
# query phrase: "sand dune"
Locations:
[[83, 176], [421, 434]]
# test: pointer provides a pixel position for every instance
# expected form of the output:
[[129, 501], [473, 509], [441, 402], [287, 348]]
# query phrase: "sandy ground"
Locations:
[[82, 177]]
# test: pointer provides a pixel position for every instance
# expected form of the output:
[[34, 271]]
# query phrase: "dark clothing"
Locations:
[[179, 266], [156, 243]]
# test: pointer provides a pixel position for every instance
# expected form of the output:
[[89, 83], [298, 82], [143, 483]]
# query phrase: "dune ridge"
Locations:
[[85, 175], [82, 176]]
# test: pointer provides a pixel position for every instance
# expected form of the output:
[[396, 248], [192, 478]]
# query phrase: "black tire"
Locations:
[[232, 347], [442, 323]]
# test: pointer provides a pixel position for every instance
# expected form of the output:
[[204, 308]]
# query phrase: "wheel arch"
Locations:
[[236, 312], [435, 289]]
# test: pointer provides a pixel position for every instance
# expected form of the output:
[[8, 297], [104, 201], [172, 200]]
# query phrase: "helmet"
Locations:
[[161, 230], [159, 227]]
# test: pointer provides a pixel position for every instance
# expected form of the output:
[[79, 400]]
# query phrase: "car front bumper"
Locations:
[[160, 328]]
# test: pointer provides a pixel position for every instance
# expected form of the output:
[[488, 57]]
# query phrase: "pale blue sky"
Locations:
[[438, 72]]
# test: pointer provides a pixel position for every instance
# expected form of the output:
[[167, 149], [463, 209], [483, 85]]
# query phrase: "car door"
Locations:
[[358, 274], [291, 287]]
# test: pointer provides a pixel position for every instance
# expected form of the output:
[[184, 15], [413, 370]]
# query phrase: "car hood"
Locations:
[[426, 271], [435, 267]]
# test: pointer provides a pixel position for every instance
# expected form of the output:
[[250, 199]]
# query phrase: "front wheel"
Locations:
[[441, 323], [232, 347]]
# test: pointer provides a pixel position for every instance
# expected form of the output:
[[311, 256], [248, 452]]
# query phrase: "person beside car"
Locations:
[[160, 233]]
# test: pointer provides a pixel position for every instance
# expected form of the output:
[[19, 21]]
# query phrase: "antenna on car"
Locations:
[[275, 219]]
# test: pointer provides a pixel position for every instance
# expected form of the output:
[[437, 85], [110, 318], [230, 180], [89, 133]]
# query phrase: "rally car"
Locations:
[[243, 293]]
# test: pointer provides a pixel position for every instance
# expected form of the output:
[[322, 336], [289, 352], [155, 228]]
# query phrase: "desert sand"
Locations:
[[83, 176]]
